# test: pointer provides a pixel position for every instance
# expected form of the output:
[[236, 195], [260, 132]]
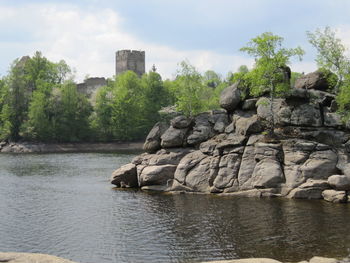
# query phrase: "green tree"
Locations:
[[127, 116], [268, 75], [211, 79], [189, 90], [14, 111], [39, 126], [102, 117], [73, 114], [155, 96], [331, 54]]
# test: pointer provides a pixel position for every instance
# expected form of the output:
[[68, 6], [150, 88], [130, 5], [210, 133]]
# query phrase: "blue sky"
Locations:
[[208, 33]]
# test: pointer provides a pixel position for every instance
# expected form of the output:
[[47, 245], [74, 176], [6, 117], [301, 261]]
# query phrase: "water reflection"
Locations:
[[63, 205]]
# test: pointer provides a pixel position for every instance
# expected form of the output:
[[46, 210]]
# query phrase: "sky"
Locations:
[[206, 33]]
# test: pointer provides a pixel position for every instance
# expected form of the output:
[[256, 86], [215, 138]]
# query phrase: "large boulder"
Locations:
[[173, 137], [227, 170], [125, 176], [230, 97], [334, 196], [332, 119], [315, 80], [198, 178], [246, 124], [181, 122], [153, 140], [157, 175], [339, 182], [312, 189], [320, 165], [220, 120], [306, 115], [202, 130], [186, 164], [267, 173]]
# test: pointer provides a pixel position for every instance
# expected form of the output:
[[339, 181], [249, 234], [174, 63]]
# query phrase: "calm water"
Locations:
[[62, 204]]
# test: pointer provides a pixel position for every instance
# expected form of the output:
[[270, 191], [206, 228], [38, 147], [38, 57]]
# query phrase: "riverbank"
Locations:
[[30, 147], [42, 258]]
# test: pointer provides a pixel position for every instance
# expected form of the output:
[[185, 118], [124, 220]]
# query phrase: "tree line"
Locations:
[[39, 100]]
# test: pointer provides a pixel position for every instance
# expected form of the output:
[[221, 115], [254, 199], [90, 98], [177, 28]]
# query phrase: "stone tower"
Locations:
[[130, 60]]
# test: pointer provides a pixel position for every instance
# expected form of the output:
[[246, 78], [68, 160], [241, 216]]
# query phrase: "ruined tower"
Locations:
[[130, 60]]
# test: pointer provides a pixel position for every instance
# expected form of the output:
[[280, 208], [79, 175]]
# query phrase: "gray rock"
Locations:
[[230, 128], [346, 170], [247, 125], [249, 104], [306, 115], [228, 171], [334, 196], [125, 176], [247, 168], [339, 182], [186, 164], [173, 137], [230, 97], [181, 122], [315, 80], [259, 193], [220, 122], [268, 151], [157, 175], [198, 178], [152, 143], [332, 119], [263, 108], [312, 189], [202, 130], [267, 174], [321, 97], [164, 156], [320, 165], [298, 93]]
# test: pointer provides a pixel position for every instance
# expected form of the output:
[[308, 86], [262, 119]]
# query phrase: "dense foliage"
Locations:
[[269, 73], [39, 100], [332, 58]]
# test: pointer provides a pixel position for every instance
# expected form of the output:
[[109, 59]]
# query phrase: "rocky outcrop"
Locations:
[[230, 97], [230, 152], [316, 80]]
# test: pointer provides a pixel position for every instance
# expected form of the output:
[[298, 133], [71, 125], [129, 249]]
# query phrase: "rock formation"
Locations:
[[229, 152]]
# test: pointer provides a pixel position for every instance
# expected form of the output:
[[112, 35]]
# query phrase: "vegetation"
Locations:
[[269, 72], [332, 58], [39, 100]]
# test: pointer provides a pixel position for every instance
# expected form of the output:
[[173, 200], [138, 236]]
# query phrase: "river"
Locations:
[[63, 204]]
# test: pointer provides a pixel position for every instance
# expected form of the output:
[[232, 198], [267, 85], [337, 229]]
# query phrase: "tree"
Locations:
[[102, 116], [127, 116], [211, 79], [268, 74], [155, 97], [189, 90], [331, 54], [72, 115]]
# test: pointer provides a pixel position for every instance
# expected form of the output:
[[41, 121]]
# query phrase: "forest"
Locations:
[[39, 100]]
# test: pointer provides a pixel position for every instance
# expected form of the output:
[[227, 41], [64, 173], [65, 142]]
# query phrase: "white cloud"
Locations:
[[87, 40]]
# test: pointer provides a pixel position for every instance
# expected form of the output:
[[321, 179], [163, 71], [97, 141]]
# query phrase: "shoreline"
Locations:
[[16, 257], [108, 147]]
